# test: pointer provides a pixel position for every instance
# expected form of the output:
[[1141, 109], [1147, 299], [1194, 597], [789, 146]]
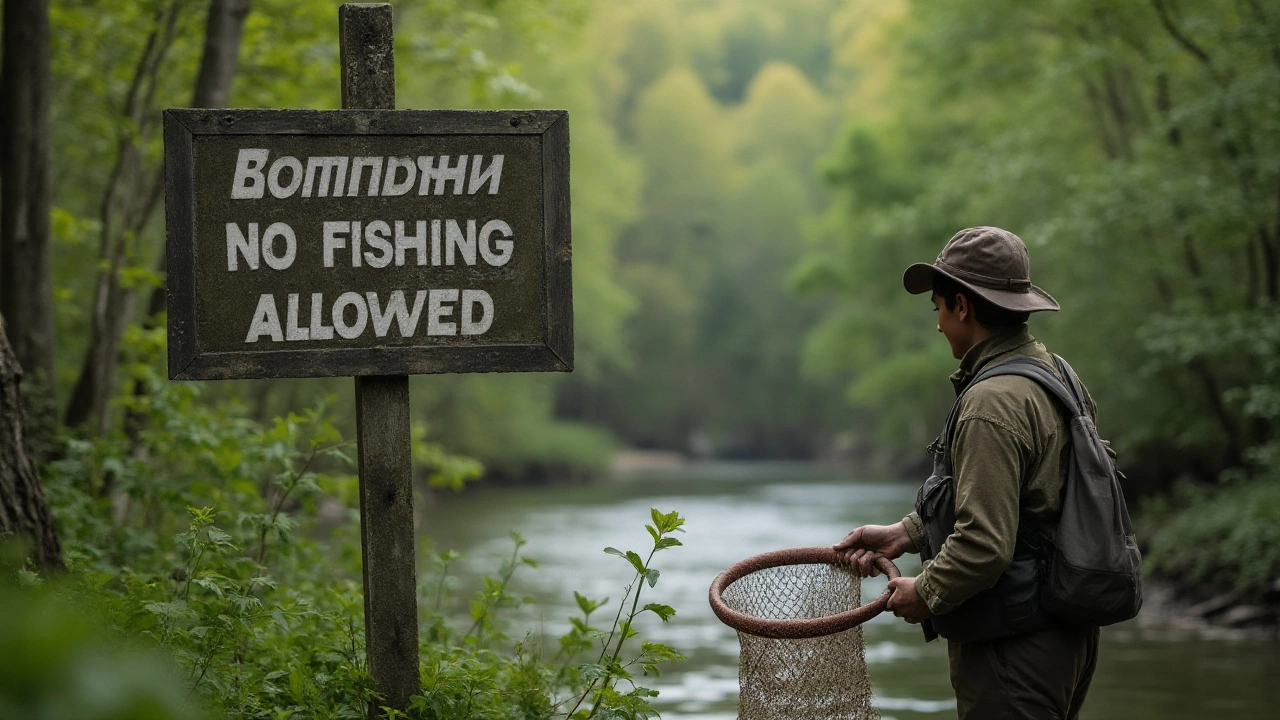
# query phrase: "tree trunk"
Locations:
[[223, 31], [23, 510], [129, 199], [26, 266], [114, 305]]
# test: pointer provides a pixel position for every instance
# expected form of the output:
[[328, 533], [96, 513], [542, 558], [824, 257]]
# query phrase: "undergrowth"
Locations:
[[1226, 536], [233, 547], [1222, 538]]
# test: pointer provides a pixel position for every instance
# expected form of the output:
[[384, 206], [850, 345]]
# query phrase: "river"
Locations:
[[735, 511]]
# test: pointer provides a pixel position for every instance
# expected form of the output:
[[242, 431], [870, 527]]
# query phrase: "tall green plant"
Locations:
[[592, 673], [610, 667]]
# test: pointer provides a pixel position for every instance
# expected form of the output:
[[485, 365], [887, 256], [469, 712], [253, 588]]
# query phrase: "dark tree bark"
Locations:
[[223, 30], [23, 510], [26, 268]]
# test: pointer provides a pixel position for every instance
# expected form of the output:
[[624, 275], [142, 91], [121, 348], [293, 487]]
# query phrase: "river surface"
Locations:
[[735, 511]]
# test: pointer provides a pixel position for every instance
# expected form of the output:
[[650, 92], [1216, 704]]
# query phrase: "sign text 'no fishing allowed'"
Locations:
[[375, 243]]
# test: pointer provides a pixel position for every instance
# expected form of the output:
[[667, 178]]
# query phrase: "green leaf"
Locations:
[[586, 604], [666, 612], [210, 584], [643, 692], [636, 561]]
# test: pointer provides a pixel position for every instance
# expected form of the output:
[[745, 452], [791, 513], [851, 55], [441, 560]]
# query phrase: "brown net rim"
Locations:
[[802, 627]]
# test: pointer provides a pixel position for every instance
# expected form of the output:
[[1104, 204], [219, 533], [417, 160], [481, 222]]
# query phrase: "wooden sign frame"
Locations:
[[189, 361]]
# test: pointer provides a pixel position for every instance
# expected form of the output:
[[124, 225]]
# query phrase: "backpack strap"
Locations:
[[1069, 394], [1073, 381]]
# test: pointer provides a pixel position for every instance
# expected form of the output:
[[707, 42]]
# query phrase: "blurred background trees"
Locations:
[[696, 135], [749, 180], [1135, 148]]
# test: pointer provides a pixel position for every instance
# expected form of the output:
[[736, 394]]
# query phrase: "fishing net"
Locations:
[[798, 614]]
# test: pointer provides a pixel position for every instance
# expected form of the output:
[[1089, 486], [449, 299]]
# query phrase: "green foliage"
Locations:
[[449, 54], [1220, 538], [503, 421], [591, 674], [206, 534], [444, 469], [56, 663], [695, 130], [602, 676], [213, 536], [1111, 138], [259, 616], [1226, 536], [723, 105]]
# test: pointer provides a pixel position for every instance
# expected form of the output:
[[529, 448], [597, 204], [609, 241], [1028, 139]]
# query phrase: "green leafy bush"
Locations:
[[1225, 538], [200, 531], [54, 663]]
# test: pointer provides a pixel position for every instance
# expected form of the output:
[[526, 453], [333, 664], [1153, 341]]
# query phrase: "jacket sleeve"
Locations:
[[915, 531], [990, 456]]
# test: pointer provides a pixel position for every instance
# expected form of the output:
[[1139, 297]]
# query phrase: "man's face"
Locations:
[[951, 325]]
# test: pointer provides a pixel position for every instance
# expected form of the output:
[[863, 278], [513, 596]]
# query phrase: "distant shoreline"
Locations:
[[1228, 614]]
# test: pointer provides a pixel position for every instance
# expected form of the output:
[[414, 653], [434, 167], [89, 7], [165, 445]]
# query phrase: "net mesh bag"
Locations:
[[798, 614]]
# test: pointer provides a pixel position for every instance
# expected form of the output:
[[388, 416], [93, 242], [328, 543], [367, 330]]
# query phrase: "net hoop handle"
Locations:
[[802, 627]]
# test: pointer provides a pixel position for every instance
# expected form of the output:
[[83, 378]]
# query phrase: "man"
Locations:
[[1007, 461]]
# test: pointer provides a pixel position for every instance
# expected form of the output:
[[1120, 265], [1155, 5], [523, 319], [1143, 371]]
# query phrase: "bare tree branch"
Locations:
[[1179, 37], [126, 207]]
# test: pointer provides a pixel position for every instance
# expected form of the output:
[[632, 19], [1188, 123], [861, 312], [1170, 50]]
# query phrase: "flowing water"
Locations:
[[735, 511]]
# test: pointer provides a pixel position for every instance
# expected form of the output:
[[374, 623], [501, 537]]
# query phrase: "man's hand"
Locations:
[[862, 546], [905, 603]]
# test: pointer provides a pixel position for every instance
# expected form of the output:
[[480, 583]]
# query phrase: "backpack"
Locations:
[[1094, 570]]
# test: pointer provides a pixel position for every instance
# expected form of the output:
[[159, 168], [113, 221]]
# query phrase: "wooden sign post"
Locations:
[[375, 243], [387, 543]]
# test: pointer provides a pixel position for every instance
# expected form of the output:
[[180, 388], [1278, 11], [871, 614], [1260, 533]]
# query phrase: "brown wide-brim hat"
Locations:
[[991, 262]]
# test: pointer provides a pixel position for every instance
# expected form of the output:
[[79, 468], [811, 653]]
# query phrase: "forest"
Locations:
[[749, 180]]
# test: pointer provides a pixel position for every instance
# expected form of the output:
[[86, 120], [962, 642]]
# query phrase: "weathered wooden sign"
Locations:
[[367, 242], [375, 243]]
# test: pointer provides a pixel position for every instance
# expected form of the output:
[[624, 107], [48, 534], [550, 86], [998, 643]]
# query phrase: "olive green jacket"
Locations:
[[1009, 456]]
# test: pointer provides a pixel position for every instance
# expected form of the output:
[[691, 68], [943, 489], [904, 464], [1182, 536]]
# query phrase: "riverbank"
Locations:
[[1148, 669], [1169, 604], [1222, 615]]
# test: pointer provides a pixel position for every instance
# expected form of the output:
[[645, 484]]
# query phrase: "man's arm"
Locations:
[[990, 456], [865, 544]]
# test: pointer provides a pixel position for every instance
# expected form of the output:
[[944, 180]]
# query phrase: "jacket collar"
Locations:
[[1002, 342]]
